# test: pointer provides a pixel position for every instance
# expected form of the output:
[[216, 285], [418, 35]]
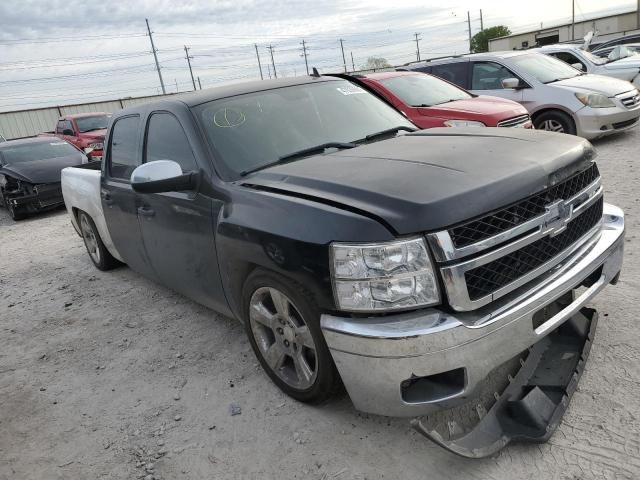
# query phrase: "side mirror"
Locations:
[[578, 66], [67, 131], [510, 83], [162, 176]]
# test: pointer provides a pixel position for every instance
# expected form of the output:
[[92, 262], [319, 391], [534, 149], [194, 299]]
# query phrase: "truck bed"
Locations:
[[81, 192]]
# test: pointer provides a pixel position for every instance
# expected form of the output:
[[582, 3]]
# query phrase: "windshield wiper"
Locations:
[[387, 132], [299, 154], [93, 129]]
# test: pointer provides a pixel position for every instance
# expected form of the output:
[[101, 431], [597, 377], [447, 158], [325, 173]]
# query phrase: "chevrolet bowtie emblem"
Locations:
[[556, 217]]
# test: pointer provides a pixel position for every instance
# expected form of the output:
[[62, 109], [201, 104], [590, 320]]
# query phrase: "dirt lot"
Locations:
[[100, 372]]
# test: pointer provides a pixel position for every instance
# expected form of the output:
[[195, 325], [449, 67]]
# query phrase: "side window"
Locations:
[[123, 147], [166, 140], [569, 58], [489, 76], [67, 125], [60, 126], [455, 73]]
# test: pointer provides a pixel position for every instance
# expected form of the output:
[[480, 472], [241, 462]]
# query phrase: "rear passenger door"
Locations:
[[178, 227], [486, 79], [119, 202], [456, 73]]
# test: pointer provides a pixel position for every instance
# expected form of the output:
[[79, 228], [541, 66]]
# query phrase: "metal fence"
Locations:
[[27, 123]]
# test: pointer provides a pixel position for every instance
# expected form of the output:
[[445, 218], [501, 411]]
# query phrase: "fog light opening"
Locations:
[[433, 388]]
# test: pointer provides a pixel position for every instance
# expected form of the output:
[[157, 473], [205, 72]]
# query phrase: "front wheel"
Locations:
[[283, 326], [98, 253], [14, 213], [555, 121]]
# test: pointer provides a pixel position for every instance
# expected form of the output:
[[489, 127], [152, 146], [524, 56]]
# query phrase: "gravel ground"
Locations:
[[100, 372]]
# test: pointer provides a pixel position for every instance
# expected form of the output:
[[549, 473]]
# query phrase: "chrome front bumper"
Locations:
[[376, 356]]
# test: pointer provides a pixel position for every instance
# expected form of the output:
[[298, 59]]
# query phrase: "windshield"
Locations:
[[594, 58], [88, 124], [543, 68], [255, 129], [29, 152], [622, 51], [423, 90]]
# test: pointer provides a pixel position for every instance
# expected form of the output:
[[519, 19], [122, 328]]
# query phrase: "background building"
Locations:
[[609, 27]]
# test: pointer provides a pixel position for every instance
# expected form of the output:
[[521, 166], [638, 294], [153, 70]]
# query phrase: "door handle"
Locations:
[[146, 211], [106, 196]]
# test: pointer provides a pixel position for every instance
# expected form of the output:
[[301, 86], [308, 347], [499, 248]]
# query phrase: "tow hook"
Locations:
[[531, 407]]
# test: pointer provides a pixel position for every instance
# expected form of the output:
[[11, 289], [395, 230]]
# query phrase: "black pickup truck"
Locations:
[[405, 264]]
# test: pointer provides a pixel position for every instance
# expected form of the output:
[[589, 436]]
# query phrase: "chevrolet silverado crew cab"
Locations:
[[406, 265]]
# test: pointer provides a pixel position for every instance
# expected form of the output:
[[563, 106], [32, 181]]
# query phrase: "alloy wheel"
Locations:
[[283, 338], [552, 126], [90, 240]]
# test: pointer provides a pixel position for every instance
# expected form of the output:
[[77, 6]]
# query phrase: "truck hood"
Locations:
[[41, 171], [479, 105], [433, 178], [94, 135], [595, 83]]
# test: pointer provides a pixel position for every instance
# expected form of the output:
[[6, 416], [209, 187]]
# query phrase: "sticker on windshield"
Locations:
[[350, 90], [229, 118]]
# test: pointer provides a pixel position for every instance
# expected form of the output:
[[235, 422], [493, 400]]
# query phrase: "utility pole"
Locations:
[[269, 71], [353, 64], [344, 60], [417, 45], [155, 56], [638, 15], [573, 19], [259, 64], [469, 24], [199, 84], [273, 63], [193, 80], [304, 54], [482, 23], [176, 80]]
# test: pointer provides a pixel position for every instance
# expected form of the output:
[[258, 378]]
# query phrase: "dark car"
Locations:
[[30, 173]]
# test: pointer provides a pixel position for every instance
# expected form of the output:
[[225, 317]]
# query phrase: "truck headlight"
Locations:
[[463, 123], [97, 146], [595, 100], [381, 277]]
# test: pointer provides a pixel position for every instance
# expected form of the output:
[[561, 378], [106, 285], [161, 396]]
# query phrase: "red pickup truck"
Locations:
[[84, 130]]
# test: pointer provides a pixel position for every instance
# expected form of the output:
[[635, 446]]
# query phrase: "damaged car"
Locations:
[[30, 174]]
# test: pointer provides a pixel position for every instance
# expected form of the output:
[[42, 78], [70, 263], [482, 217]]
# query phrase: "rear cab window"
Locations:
[[123, 157]]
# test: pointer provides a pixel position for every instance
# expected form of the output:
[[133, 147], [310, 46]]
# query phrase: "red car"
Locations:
[[429, 101], [84, 130]]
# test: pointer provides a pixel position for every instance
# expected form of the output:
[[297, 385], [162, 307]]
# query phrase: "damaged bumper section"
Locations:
[[415, 363], [32, 198]]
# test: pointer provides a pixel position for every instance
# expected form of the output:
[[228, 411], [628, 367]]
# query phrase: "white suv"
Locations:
[[627, 68], [557, 96]]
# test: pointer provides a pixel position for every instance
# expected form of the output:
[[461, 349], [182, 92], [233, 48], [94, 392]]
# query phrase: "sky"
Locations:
[[60, 52]]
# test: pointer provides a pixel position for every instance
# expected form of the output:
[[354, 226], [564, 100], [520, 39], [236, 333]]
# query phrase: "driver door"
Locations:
[[178, 227]]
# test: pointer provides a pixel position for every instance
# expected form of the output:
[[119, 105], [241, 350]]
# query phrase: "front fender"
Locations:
[[288, 235]]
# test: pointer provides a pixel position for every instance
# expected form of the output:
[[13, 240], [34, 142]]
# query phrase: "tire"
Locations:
[[286, 337], [98, 253], [15, 215], [555, 121]]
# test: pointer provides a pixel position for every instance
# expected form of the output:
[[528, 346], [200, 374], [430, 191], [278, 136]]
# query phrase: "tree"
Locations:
[[480, 41], [374, 63]]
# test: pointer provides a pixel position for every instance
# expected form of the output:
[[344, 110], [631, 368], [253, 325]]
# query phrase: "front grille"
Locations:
[[488, 278], [514, 122], [625, 124], [631, 101], [509, 217]]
